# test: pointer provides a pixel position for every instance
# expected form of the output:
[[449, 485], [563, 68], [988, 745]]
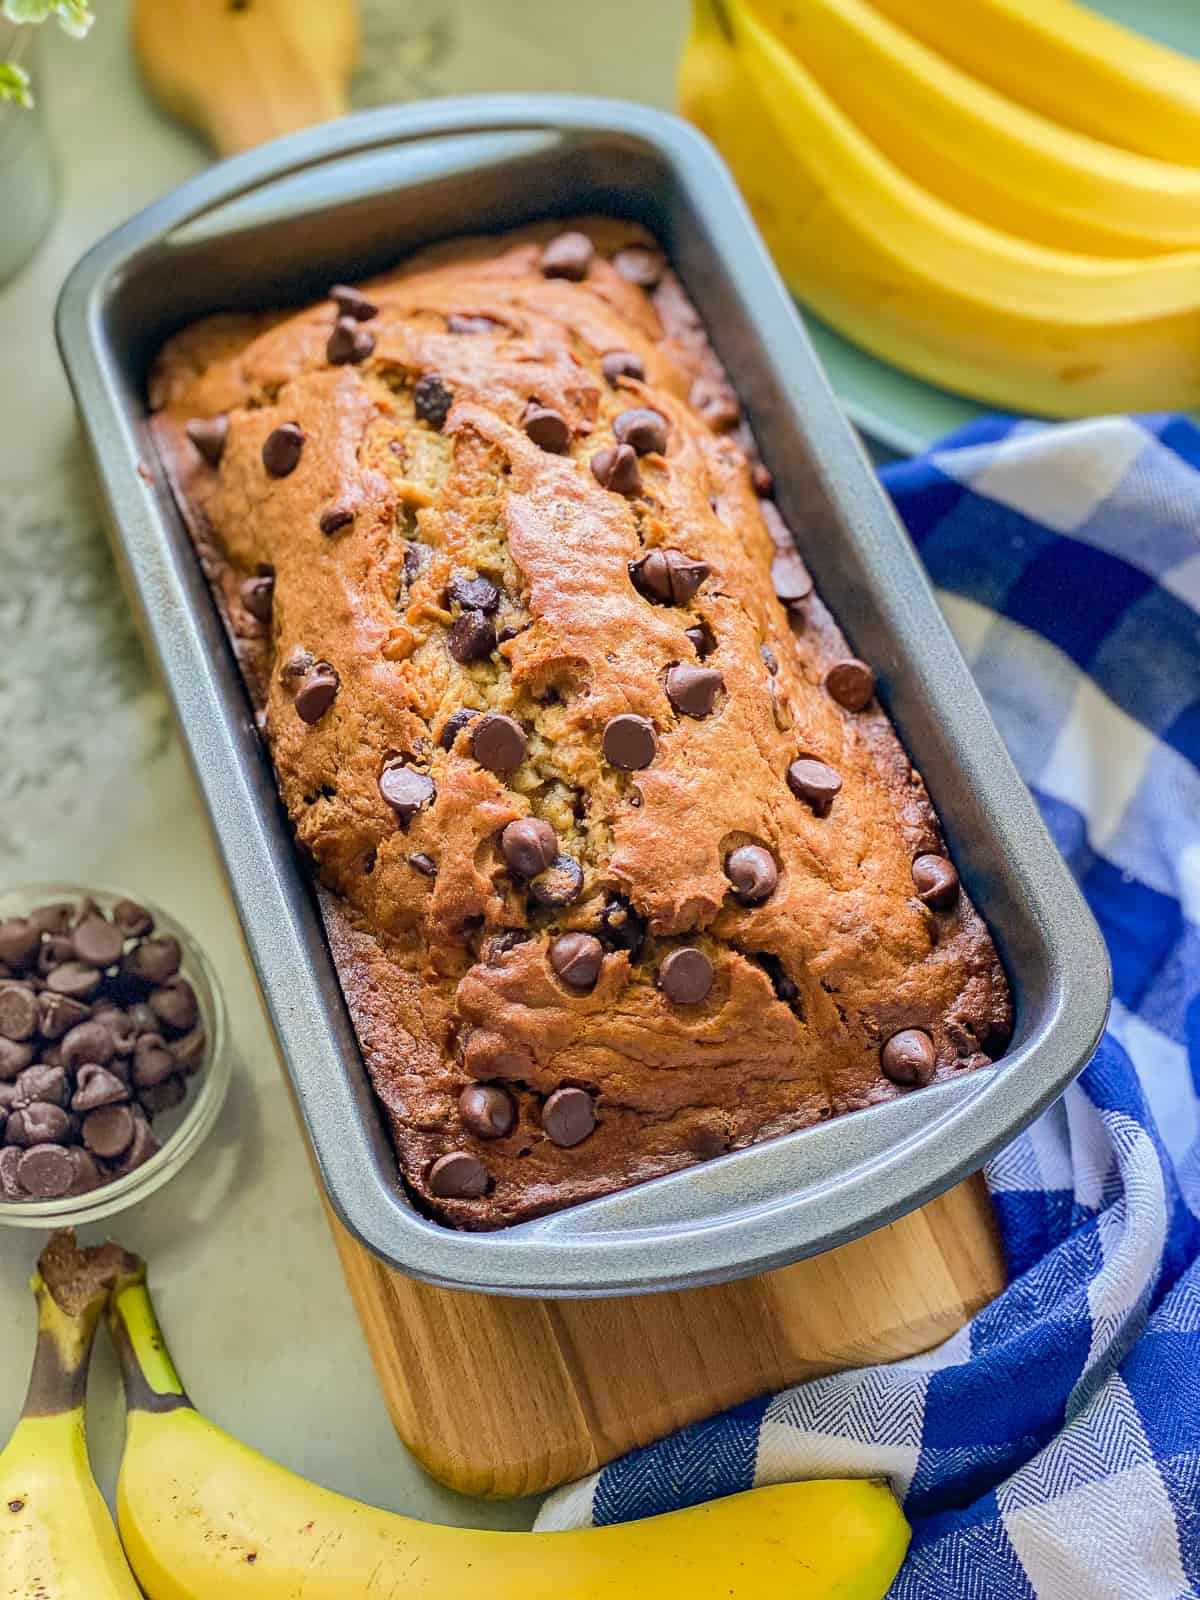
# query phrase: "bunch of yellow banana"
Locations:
[[204, 1517], [1002, 196], [57, 1541]]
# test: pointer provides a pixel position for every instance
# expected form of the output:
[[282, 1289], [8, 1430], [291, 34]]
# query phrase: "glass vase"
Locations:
[[28, 177]]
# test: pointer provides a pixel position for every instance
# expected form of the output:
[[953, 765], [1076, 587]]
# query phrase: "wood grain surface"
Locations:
[[503, 1397]]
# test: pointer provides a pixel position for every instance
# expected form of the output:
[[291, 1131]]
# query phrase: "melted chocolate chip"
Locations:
[[348, 343], [458, 1176], [615, 468], [406, 789], [621, 927], [936, 881], [423, 864], [454, 725], [618, 364], [501, 943], [334, 518], [814, 783], [909, 1058], [851, 683], [577, 959], [432, 400], [667, 577], [716, 404], [752, 871], [529, 846], [560, 884], [783, 986], [317, 692], [282, 449], [258, 596], [568, 1117], [630, 742], [642, 429], [790, 578], [297, 664], [208, 434], [417, 557], [498, 743], [487, 1111], [569, 256], [352, 303], [693, 690], [548, 429], [781, 534], [640, 266], [701, 639], [472, 592], [472, 637], [686, 976]]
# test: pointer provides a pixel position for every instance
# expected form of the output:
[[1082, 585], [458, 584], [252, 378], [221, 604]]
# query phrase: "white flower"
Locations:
[[74, 16]]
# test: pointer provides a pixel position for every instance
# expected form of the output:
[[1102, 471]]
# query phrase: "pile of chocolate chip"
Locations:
[[98, 1035]]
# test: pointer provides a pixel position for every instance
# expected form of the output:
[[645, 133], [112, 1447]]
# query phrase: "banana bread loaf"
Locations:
[[622, 865]]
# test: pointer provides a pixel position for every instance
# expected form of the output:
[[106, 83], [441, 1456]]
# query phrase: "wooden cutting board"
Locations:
[[505, 1397]]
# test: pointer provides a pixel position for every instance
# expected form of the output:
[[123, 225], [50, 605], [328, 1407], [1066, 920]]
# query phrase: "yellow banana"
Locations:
[[980, 150], [202, 1515], [1070, 63], [917, 281], [57, 1540]]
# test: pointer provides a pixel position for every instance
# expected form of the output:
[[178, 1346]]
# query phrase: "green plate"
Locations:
[[903, 413]]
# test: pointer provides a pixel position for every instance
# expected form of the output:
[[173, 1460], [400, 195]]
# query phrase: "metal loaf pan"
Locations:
[[277, 226]]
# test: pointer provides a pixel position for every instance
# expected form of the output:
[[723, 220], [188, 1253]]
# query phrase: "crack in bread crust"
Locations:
[[433, 486]]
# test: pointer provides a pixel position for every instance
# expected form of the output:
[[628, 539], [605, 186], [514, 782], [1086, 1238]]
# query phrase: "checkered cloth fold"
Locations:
[[1051, 1449]]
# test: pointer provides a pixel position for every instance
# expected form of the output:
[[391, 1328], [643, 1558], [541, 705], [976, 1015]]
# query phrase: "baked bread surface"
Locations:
[[439, 546]]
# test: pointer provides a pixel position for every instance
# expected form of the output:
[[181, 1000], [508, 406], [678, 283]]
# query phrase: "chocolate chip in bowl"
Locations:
[[113, 1059]]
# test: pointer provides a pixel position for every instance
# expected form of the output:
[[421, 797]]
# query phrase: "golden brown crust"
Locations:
[[438, 1004]]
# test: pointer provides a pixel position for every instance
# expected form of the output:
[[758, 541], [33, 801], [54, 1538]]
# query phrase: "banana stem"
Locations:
[[58, 1381], [147, 1371], [71, 1287]]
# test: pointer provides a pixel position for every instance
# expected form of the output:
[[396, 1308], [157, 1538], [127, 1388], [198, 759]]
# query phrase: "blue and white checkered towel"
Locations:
[[1051, 1449]]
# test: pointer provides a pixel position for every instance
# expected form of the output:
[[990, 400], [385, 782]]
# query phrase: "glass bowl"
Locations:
[[182, 1130]]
